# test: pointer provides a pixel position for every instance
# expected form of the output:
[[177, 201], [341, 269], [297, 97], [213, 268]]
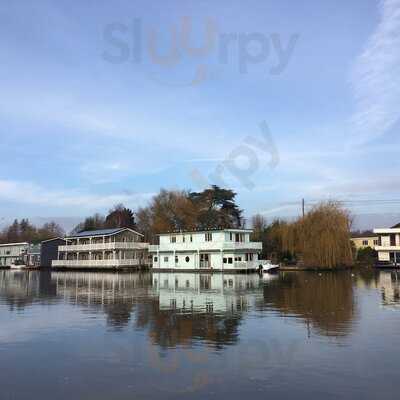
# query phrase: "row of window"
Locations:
[[172, 239], [204, 257], [166, 259], [366, 242], [238, 237]]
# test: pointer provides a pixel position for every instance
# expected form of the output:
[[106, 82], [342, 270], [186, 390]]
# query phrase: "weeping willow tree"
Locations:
[[321, 238]]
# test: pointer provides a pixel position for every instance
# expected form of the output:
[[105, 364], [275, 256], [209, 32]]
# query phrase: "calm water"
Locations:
[[158, 336]]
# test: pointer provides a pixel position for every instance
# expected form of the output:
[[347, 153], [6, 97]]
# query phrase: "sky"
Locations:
[[107, 102]]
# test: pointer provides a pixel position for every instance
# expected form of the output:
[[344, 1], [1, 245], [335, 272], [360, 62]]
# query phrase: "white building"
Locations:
[[228, 249], [10, 252], [106, 248], [388, 247]]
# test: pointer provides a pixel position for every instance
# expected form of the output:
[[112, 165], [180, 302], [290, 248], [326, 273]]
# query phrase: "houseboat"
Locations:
[[388, 246], [118, 248], [211, 250], [12, 253]]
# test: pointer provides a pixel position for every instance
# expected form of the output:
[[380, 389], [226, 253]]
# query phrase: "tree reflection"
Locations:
[[324, 301]]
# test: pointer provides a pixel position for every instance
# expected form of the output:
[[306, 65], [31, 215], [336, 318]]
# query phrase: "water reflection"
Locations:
[[387, 282], [116, 295], [165, 335], [324, 301], [179, 308]]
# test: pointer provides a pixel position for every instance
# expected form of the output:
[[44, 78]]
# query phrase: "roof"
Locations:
[[15, 244], [102, 232], [395, 226], [206, 230], [363, 235], [55, 238]]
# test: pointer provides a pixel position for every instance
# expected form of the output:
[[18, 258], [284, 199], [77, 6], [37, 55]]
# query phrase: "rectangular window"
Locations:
[[155, 259], [230, 261], [365, 242], [376, 242], [231, 236], [166, 259], [183, 238], [173, 239], [191, 238], [225, 260], [208, 237], [176, 259]]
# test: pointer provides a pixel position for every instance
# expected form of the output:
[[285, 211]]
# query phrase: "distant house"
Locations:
[[11, 252], [49, 251], [365, 239], [388, 247], [218, 249], [31, 256], [105, 248]]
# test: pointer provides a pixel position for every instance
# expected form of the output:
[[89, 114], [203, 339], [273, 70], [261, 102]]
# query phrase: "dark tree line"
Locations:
[[24, 231]]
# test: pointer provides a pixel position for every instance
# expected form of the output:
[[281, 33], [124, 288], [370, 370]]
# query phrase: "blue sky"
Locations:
[[80, 133]]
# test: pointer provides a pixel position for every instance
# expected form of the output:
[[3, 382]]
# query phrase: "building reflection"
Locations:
[[387, 282], [181, 308], [115, 294], [19, 289], [206, 307]]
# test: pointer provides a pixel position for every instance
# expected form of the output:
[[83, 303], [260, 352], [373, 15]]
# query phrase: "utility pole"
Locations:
[[302, 206]]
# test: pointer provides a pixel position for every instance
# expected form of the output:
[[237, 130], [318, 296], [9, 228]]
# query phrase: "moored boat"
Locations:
[[267, 266]]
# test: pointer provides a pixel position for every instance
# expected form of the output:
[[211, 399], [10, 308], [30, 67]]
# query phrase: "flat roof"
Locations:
[[387, 230], [365, 235], [15, 244], [101, 232], [238, 230]]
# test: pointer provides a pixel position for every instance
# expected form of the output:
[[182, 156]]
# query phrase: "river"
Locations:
[[87, 335]]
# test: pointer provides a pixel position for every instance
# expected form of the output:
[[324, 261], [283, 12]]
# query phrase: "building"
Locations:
[[363, 240], [388, 247], [220, 250], [49, 251], [31, 257], [106, 248], [11, 252]]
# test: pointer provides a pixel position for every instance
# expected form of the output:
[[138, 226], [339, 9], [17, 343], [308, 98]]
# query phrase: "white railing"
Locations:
[[105, 246], [97, 263], [387, 248], [207, 246]]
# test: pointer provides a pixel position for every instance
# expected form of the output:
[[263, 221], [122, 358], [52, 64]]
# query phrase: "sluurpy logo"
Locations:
[[137, 43]]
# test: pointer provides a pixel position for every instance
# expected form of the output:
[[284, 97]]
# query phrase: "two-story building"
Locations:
[[388, 247], [365, 239], [11, 252], [214, 249], [105, 248]]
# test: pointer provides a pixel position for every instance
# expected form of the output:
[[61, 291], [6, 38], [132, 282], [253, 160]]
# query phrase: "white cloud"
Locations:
[[376, 78], [33, 194]]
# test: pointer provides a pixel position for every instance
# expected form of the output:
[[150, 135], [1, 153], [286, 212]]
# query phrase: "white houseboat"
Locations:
[[103, 249], [388, 246], [217, 250], [12, 253]]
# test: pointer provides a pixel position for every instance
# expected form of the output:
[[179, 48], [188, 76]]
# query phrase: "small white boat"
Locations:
[[267, 266]]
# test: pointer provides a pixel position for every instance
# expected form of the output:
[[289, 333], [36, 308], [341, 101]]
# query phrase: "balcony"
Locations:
[[104, 246], [208, 246], [387, 248], [96, 263]]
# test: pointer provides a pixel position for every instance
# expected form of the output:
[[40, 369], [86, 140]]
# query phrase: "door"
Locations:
[[204, 260]]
